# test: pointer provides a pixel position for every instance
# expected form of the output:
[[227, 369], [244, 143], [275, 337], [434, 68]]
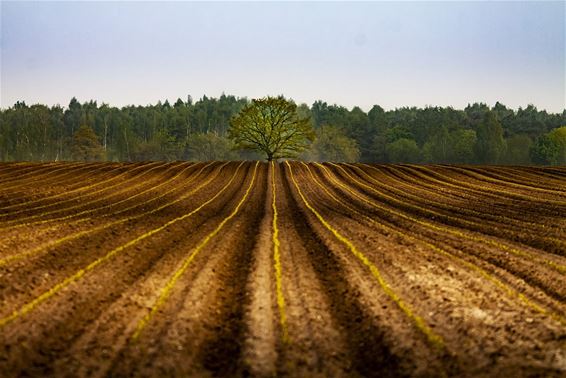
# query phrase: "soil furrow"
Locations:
[[525, 175], [528, 194], [416, 213], [281, 269], [458, 201], [92, 294], [206, 304], [65, 176], [467, 183], [91, 181], [386, 228], [511, 181], [419, 206], [33, 172], [47, 235], [547, 280], [362, 309], [80, 201], [418, 276], [37, 275]]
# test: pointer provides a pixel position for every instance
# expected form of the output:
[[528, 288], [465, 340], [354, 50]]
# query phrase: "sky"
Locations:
[[350, 53]]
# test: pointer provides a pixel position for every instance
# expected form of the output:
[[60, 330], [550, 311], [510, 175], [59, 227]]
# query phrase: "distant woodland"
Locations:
[[188, 130]]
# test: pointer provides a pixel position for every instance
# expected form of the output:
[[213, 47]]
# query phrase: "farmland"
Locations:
[[293, 269]]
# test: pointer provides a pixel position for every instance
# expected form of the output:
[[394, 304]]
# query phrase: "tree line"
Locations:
[[200, 130]]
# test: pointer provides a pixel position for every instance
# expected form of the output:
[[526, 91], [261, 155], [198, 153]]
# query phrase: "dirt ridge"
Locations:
[[236, 269]]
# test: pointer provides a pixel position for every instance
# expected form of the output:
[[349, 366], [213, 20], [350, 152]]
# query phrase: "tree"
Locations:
[[160, 146], [490, 145], [209, 146], [272, 126], [162, 131], [360, 129], [462, 143], [86, 146], [550, 148], [332, 144], [403, 151], [437, 148], [518, 147], [558, 136], [530, 121]]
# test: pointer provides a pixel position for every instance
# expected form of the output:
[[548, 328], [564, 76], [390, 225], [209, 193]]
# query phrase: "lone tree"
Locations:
[[86, 146], [272, 126]]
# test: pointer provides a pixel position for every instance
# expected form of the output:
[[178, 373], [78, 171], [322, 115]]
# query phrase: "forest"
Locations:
[[198, 130]]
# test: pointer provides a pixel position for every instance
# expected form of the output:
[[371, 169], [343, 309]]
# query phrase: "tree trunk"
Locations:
[[127, 145], [105, 132]]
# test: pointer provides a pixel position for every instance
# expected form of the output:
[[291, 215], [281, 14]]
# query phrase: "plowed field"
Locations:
[[289, 269]]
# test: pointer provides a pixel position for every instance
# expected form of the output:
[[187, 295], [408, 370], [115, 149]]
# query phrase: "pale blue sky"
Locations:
[[392, 54]]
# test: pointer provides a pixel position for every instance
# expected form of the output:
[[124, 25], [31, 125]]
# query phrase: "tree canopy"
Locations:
[[490, 145], [86, 146], [550, 148], [209, 146], [272, 126], [188, 130], [332, 144]]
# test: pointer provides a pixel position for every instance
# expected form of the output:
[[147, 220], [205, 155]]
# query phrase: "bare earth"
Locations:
[[289, 269]]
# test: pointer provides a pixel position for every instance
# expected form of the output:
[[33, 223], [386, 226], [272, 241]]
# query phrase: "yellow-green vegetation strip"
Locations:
[[472, 224], [484, 189], [62, 240], [277, 261], [432, 337], [467, 187], [518, 176], [16, 222], [506, 288], [413, 182], [557, 267], [20, 180], [499, 181], [166, 291], [92, 210], [105, 180], [87, 211], [535, 178], [25, 309], [44, 180], [35, 174]]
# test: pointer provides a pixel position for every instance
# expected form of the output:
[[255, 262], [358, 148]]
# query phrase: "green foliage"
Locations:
[[550, 149], [160, 146], [545, 151], [86, 146], [332, 144], [378, 151], [438, 148], [403, 151], [518, 147], [398, 132], [490, 145], [454, 147], [163, 131], [461, 144], [271, 125], [531, 122], [209, 146], [558, 136]]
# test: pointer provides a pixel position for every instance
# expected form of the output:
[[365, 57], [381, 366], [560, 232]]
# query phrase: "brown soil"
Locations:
[[171, 269]]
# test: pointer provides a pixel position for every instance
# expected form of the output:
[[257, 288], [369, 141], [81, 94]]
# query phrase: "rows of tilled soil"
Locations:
[[281, 269]]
